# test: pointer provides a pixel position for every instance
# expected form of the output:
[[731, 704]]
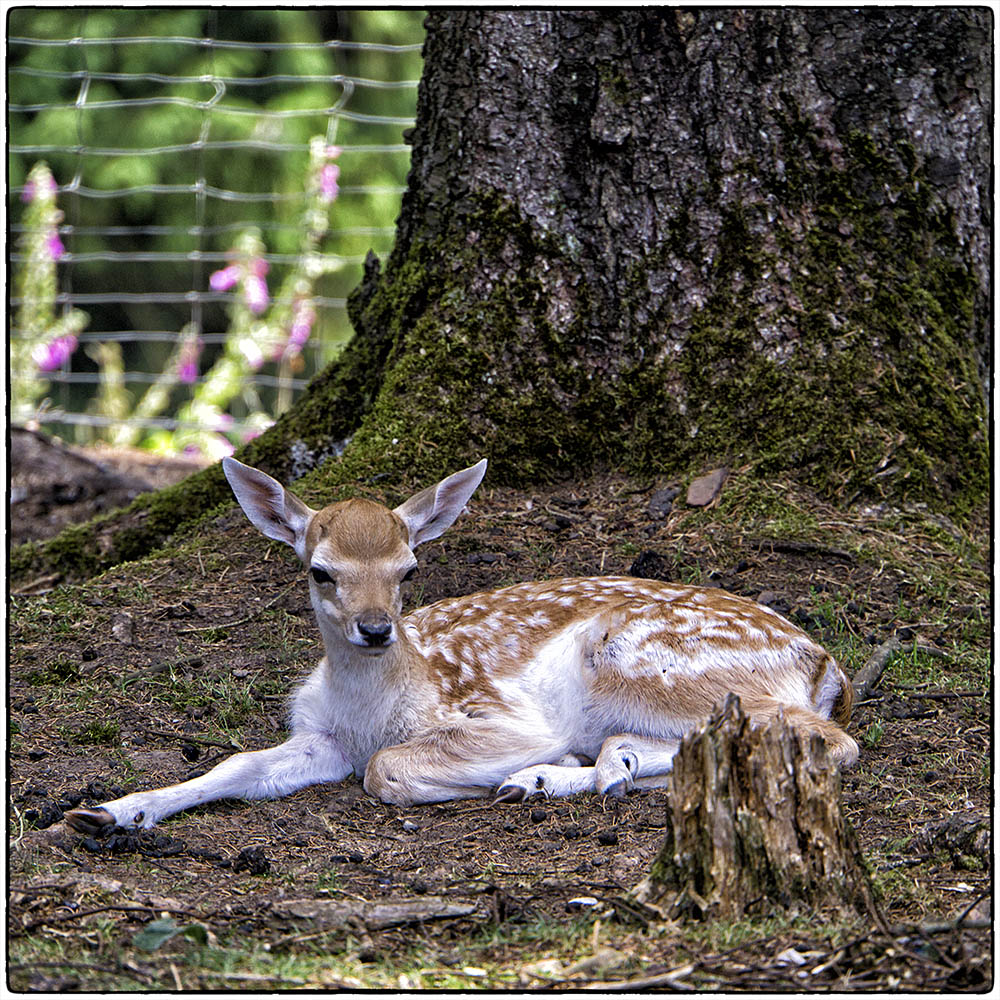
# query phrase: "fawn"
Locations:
[[557, 687]]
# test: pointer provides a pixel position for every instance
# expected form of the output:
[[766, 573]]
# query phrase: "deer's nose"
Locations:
[[375, 631]]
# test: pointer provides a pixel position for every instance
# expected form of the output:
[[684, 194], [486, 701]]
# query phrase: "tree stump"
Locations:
[[754, 823]]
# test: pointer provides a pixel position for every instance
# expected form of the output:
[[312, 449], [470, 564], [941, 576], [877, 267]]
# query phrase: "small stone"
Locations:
[[539, 816], [123, 628], [409, 826], [662, 501], [581, 903], [703, 490], [607, 837]]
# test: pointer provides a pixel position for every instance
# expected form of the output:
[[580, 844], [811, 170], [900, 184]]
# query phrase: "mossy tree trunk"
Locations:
[[657, 238]]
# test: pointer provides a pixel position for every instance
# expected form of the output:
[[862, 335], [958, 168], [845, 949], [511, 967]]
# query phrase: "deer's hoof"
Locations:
[[509, 793], [617, 789], [89, 821]]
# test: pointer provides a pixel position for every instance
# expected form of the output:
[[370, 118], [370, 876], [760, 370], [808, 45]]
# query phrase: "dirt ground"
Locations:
[[158, 670]]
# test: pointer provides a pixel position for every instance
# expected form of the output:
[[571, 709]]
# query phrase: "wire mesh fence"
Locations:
[[176, 139]]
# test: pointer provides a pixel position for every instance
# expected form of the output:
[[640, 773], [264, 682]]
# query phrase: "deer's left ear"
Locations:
[[431, 512]]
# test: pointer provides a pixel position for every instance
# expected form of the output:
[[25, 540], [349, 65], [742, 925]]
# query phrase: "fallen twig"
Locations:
[[868, 676], [671, 979], [125, 969], [185, 738], [135, 908], [789, 545]]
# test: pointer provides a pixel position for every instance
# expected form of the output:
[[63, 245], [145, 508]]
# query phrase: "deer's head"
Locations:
[[357, 552]]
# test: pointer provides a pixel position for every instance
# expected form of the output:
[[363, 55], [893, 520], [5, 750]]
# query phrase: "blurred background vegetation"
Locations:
[[149, 209]]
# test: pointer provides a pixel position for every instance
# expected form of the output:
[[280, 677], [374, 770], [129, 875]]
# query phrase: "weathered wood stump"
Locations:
[[754, 824]]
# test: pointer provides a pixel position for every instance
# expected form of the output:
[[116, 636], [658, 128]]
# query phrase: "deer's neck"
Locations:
[[370, 701]]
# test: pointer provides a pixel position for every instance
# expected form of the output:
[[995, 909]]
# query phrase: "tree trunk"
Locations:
[[658, 238], [754, 824]]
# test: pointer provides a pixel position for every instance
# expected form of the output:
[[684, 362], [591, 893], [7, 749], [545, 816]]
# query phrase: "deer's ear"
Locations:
[[272, 509], [432, 511]]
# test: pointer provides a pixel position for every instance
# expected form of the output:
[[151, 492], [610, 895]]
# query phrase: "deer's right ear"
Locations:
[[272, 509]]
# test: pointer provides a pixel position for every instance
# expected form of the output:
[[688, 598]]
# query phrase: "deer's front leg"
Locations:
[[466, 760], [305, 759]]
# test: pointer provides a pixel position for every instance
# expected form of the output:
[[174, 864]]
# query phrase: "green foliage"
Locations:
[[96, 734], [155, 144], [59, 671], [46, 338], [158, 932]]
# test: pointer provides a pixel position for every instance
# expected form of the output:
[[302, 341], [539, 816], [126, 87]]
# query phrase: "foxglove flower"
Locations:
[[187, 365], [222, 281], [54, 245], [302, 322], [328, 188], [255, 288], [30, 189], [251, 352], [48, 357]]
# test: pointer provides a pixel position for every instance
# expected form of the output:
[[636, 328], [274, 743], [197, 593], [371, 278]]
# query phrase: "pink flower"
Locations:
[[254, 285], [187, 365], [302, 323], [255, 292], [252, 353], [332, 152], [54, 245], [222, 281], [48, 357], [225, 446], [328, 189], [29, 191]]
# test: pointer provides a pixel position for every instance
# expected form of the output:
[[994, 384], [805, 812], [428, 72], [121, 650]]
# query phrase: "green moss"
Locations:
[[879, 397]]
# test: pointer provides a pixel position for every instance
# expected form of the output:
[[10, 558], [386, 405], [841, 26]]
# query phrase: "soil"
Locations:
[[157, 670]]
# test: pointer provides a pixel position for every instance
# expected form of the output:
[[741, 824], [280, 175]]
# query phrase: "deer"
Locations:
[[550, 688]]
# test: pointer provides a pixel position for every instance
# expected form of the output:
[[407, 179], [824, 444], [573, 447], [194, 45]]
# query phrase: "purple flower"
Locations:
[[255, 292], [54, 245], [30, 190], [251, 352], [48, 357], [187, 365], [328, 182], [222, 281], [302, 323]]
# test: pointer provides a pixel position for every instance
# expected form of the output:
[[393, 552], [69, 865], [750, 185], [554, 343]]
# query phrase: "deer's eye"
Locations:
[[321, 575], [410, 575]]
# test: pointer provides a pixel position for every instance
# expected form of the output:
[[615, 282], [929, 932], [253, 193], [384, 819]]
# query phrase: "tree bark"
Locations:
[[663, 240], [754, 824]]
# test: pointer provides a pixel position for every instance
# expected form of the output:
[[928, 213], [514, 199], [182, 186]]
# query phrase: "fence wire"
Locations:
[[159, 169]]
